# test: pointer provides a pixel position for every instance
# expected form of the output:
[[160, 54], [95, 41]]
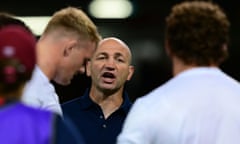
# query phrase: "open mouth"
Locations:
[[108, 77]]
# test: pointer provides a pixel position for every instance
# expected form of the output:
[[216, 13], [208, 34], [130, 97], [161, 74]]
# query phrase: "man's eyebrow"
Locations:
[[101, 53], [119, 54]]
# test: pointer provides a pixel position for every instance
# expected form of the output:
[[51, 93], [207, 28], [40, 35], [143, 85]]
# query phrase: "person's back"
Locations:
[[205, 113], [21, 124], [199, 105]]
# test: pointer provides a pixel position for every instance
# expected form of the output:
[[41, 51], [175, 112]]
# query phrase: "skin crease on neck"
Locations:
[[111, 98]]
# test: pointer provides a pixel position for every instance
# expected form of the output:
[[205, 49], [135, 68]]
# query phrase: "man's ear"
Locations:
[[88, 66], [69, 45], [130, 73], [225, 47], [167, 47]]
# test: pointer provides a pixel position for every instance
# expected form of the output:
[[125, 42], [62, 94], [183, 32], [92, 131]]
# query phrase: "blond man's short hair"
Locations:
[[73, 20]]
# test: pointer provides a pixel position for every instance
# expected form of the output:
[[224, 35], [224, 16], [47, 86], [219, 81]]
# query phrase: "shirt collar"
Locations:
[[38, 75], [126, 103], [87, 102]]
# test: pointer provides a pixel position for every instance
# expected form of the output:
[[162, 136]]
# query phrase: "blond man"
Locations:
[[68, 41]]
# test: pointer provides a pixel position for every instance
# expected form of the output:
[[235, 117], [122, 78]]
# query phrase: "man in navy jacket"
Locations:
[[101, 111]]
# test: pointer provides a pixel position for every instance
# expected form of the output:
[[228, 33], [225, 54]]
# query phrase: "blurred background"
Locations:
[[140, 24]]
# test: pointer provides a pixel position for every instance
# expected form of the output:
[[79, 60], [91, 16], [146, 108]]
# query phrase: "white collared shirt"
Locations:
[[39, 92], [198, 106]]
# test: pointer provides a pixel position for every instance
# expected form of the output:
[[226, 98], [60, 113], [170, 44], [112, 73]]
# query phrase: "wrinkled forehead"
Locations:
[[113, 45]]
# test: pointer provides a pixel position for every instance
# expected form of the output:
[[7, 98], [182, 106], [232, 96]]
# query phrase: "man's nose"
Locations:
[[110, 64]]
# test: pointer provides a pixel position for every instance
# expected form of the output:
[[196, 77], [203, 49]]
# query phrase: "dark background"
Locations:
[[143, 32]]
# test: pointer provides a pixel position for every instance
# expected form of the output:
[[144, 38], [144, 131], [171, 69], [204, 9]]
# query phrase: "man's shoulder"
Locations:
[[28, 113], [71, 103]]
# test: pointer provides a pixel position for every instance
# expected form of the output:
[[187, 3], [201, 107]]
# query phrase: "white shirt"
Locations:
[[39, 92], [198, 106]]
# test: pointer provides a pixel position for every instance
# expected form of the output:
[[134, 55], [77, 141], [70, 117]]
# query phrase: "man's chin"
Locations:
[[108, 89]]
